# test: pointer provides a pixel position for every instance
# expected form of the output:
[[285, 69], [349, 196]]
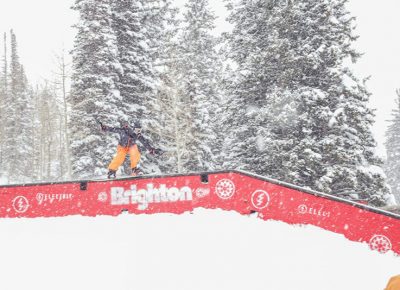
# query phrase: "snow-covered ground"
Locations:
[[209, 249]]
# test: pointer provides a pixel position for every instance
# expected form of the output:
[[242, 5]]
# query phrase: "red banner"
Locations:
[[238, 191]]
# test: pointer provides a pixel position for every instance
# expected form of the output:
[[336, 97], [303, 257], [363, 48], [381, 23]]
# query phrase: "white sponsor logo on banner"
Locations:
[[143, 197], [380, 243], [202, 192], [303, 209], [225, 189], [54, 197], [102, 197], [260, 199], [20, 204]]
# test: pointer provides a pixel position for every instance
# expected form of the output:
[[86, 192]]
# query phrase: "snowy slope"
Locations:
[[205, 250]]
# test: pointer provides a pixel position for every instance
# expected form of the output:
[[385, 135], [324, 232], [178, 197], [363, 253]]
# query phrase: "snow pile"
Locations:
[[3, 180], [205, 250]]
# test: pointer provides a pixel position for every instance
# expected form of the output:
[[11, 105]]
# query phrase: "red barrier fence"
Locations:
[[234, 190]]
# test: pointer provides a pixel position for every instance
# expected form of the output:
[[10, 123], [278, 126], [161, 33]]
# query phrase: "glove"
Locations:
[[154, 151]]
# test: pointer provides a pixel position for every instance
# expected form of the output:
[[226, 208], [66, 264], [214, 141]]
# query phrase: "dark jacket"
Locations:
[[128, 137]]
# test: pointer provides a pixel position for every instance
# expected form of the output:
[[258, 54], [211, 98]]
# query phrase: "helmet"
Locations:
[[124, 123]]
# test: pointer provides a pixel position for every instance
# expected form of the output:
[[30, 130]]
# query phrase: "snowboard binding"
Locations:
[[111, 174]]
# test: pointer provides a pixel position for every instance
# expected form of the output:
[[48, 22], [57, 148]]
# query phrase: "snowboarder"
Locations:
[[128, 137]]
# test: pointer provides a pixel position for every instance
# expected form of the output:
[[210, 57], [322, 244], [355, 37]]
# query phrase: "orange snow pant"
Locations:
[[134, 155]]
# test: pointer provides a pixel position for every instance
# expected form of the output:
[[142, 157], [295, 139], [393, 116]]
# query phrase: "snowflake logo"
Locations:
[[102, 197], [20, 204], [260, 199], [225, 188], [380, 243]]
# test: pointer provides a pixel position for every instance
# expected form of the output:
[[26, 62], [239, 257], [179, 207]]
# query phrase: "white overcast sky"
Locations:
[[43, 28]]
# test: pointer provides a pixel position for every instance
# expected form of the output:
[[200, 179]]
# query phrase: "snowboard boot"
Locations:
[[136, 171], [111, 174]]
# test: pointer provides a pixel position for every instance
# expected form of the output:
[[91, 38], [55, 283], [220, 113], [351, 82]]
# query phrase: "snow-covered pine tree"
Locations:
[[198, 79], [7, 141], [3, 98], [94, 90], [392, 166], [162, 31], [302, 50], [250, 95], [19, 123], [137, 78], [217, 111]]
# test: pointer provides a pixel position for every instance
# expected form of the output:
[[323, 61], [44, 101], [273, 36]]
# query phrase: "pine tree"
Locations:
[[19, 126], [94, 89], [3, 102], [300, 108], [8, 106], [162, 31], [248, 102], [137, 78], [198, 79], [392, 166]]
